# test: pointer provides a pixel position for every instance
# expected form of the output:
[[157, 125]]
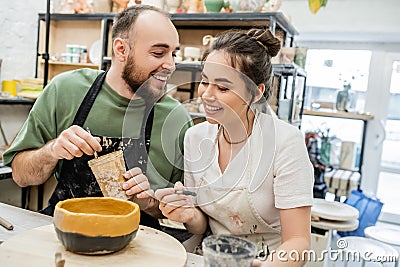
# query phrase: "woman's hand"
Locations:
[[176, 207]]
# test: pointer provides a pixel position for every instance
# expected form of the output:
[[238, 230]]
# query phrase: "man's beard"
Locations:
[[141, 87]]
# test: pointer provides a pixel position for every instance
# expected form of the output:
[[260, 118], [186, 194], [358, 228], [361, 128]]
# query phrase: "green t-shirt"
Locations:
[[55, 109]]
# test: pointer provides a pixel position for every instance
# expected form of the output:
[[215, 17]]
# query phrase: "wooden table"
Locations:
[[21, 219], [24, 220]]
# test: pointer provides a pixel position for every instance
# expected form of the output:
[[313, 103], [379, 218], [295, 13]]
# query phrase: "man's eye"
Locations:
[[158, 54], [221, 88], [204, 82]]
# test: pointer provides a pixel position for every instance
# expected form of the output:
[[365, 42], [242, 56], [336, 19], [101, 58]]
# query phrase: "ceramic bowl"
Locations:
[[96, 225]]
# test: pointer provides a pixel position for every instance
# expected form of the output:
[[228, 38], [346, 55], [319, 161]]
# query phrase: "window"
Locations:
[[329, 70]]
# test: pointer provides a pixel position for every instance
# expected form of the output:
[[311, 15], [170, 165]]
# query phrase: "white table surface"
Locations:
[[23, 220]]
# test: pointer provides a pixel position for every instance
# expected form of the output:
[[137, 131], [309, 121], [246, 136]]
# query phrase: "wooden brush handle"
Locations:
[[6, 224]]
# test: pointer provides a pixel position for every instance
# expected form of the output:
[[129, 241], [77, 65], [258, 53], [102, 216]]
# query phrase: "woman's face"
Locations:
[[223, 91]]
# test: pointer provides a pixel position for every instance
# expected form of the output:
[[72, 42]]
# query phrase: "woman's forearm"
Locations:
[[289, 253], [198, 225]]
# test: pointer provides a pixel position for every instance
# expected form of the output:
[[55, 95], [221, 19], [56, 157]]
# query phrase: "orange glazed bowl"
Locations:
[[96, 225]]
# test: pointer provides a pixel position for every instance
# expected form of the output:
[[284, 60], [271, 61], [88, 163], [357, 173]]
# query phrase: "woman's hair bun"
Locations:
[[267, 40]]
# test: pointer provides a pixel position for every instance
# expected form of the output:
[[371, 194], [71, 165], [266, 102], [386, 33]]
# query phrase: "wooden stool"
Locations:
[[369, 249]]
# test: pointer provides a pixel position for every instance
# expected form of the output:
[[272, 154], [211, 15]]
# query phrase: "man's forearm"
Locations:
[[34, 167]]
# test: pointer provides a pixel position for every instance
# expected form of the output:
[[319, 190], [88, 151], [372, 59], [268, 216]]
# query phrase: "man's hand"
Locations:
[[35, 166], [74, 142], [138, 187]]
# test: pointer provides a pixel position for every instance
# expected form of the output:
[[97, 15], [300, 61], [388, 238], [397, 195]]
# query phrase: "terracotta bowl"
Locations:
[[96, 225]]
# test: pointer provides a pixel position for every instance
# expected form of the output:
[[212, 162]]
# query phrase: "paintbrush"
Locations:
[[186, 192]]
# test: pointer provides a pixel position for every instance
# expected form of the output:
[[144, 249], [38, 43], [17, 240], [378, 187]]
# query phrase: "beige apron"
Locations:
[[218, 201]]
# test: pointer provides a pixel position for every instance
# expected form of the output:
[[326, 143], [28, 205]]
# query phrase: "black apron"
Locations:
[[76, 178]]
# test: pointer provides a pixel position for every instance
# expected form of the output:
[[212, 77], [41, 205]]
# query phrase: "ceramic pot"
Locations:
[[109, 171], [96, 225], [213, 6]]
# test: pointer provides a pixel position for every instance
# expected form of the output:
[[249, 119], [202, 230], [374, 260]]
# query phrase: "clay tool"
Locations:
[[95, 153], [58, 260], [6, 224], [186, 192]]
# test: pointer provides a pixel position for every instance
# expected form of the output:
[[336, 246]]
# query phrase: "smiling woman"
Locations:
[[243, 154]]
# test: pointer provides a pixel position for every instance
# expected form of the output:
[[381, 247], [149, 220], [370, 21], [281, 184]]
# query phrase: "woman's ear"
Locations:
[[260, 92], [121, 49]]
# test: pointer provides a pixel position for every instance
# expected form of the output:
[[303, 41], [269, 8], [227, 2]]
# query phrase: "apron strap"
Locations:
[[149, 125], [88, 101]]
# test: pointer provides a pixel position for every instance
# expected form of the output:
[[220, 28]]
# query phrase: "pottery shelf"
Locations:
[[85, 29], [340, 114], [337, 115], [273, 20]]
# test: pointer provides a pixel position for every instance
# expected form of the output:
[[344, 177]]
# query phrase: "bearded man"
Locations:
[[125, 109]]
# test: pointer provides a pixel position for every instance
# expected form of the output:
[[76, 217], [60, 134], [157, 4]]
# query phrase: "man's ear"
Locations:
[[121, 49], [260, 92]]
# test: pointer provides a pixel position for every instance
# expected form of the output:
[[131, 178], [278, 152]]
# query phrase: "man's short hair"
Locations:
[[125, 20]]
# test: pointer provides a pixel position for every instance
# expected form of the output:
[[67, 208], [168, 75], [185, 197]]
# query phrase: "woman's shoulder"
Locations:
[[283, 129], [203, 129]]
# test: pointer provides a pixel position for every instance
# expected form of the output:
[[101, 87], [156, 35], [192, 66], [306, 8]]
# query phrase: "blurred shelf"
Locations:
[[16, 101], [230, 20], [292, 69], [192, 20], [60, 16], [90, 65], [338, 114]]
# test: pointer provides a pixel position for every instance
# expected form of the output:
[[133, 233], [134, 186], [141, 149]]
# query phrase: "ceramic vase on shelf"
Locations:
[[213, 6], [345, 99]]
